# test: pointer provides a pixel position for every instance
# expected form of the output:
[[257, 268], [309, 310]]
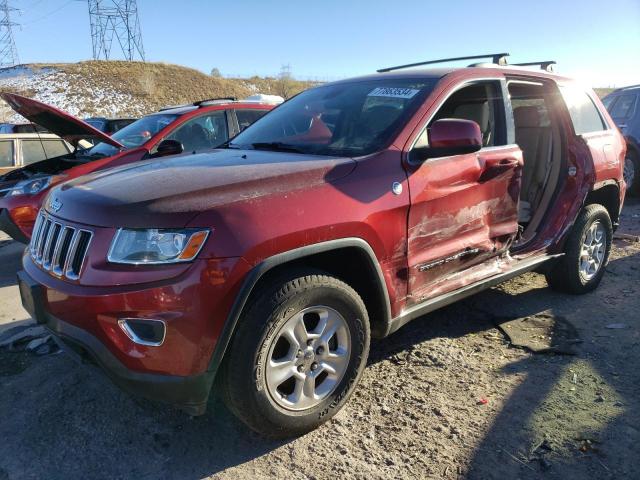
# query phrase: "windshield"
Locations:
[[132, 135], [344, 119], [99, 124]]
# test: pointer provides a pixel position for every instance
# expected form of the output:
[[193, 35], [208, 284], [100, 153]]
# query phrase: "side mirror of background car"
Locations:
[[450, 137], [169, 147]]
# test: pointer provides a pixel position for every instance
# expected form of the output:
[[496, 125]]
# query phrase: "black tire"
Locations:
[[243, 377], [565, 275], [633, 187]]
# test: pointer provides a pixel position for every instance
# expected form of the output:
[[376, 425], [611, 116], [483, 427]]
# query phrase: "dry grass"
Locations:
[[154, 85]]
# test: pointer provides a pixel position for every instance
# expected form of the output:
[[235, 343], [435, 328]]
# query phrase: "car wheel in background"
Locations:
[[632, 173]]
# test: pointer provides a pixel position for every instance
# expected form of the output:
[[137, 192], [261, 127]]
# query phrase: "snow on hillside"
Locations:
[[66, 91]]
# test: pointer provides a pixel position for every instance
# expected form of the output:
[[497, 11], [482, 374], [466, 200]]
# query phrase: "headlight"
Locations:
[[156, 246], [31, 187]]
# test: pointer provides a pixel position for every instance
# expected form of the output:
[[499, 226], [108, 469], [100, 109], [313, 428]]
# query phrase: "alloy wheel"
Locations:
[[593, 250], [308, 358]]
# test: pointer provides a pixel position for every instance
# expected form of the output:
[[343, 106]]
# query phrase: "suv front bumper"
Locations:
[[84, 320], [189, 393]]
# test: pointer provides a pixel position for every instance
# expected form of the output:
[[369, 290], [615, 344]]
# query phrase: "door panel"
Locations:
[[464, 211]]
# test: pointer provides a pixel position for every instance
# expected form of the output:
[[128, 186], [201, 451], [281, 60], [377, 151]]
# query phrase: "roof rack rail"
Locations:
[[220, 99], [497, 58], [628, 86], [546, 65], [171, 107]]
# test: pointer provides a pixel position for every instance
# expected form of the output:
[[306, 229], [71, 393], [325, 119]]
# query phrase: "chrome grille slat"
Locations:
[[37, 229], [57, 252], [43, 239], [52, 242], [59, 248]]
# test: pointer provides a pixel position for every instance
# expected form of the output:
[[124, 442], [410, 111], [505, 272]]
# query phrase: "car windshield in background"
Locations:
[[133, 135], [99, 124], [345, 119]]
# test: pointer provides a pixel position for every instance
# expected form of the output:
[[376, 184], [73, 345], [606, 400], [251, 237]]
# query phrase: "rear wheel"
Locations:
[[632, 173], [298, 353], [586, 253]]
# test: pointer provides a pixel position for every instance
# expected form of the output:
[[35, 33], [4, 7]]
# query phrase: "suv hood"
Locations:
[[66, 126], [168, 193]]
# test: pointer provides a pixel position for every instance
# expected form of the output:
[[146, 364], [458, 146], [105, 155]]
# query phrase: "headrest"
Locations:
[[527, 117], [478, 112]]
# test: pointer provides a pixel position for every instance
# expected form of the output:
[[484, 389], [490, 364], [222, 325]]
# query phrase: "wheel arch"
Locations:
[[608, 195], [335, 257]]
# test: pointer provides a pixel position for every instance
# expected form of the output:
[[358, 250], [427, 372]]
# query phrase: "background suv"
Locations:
[[353, 208], [109, 125], [624, 107], [191, 128], [20, 149]]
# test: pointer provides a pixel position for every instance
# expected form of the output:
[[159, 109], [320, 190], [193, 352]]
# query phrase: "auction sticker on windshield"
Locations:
[[393, 92]]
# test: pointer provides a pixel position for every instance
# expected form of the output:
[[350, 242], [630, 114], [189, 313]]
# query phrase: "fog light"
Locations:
[[144, 331]]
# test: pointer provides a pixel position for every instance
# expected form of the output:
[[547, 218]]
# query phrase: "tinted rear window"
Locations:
[[624, 106], [247, 117], [584, 114]]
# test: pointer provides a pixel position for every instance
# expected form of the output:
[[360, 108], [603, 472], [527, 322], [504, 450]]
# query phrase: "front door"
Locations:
[[464, 208]]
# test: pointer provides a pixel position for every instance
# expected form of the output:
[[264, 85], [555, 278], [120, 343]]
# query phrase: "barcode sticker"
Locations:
[[393, 92]]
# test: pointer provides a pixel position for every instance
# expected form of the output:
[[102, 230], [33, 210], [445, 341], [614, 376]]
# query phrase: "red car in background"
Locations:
[[192, 128]]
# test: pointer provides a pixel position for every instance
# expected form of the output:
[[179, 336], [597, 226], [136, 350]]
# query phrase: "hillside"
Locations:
[[116, 88]]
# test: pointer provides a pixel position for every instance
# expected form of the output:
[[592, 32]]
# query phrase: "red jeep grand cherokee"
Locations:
[[346, 212], [198, 127]]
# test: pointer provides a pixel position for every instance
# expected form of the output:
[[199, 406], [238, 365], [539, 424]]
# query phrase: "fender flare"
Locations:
[[257, 272]]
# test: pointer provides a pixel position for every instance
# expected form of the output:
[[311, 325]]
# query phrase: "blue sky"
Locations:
[[597, 41]]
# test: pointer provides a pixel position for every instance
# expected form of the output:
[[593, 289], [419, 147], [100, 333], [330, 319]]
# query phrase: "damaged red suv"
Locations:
[[192, 128], [351, 209]]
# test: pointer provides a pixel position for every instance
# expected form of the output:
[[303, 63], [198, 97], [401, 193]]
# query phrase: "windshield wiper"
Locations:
[[276, 147]]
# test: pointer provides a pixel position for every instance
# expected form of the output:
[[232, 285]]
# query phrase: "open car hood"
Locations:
[[66, 126]]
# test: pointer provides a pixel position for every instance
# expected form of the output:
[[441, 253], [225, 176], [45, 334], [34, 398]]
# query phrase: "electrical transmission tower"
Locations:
[[115, 20], [8, 51]]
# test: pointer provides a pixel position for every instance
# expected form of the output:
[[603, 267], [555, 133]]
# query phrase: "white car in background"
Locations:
[[20, 149]]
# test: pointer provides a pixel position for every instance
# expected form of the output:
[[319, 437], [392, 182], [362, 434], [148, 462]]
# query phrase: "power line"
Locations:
[[8, 50], [115, 20]]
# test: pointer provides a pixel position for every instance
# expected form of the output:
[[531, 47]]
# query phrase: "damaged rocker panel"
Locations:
[[466, 252]]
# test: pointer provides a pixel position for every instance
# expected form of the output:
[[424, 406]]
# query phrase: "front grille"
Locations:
[[58, 248]]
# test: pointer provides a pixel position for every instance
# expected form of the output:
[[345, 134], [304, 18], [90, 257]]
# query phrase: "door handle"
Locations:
[[501, 163], [497, 166]]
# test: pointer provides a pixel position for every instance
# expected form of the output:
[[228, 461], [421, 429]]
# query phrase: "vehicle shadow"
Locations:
[[10, 261]]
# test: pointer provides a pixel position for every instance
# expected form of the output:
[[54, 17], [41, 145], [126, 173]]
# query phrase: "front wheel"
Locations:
[[586, 253], [298, 353]]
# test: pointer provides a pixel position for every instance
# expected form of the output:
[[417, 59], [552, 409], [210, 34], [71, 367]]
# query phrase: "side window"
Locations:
[[247, 117], [32, 151], [608, 102], [6, 153], [584, 114], [202, 133], [480, 102], [624, 106], [55, 148]]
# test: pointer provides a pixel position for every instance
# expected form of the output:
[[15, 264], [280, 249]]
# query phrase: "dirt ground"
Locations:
[[445, 397]]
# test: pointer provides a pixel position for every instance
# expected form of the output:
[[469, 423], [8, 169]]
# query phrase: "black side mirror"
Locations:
[[169, 147]]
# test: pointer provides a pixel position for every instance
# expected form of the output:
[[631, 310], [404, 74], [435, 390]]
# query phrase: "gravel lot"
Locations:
[[445, 397]]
